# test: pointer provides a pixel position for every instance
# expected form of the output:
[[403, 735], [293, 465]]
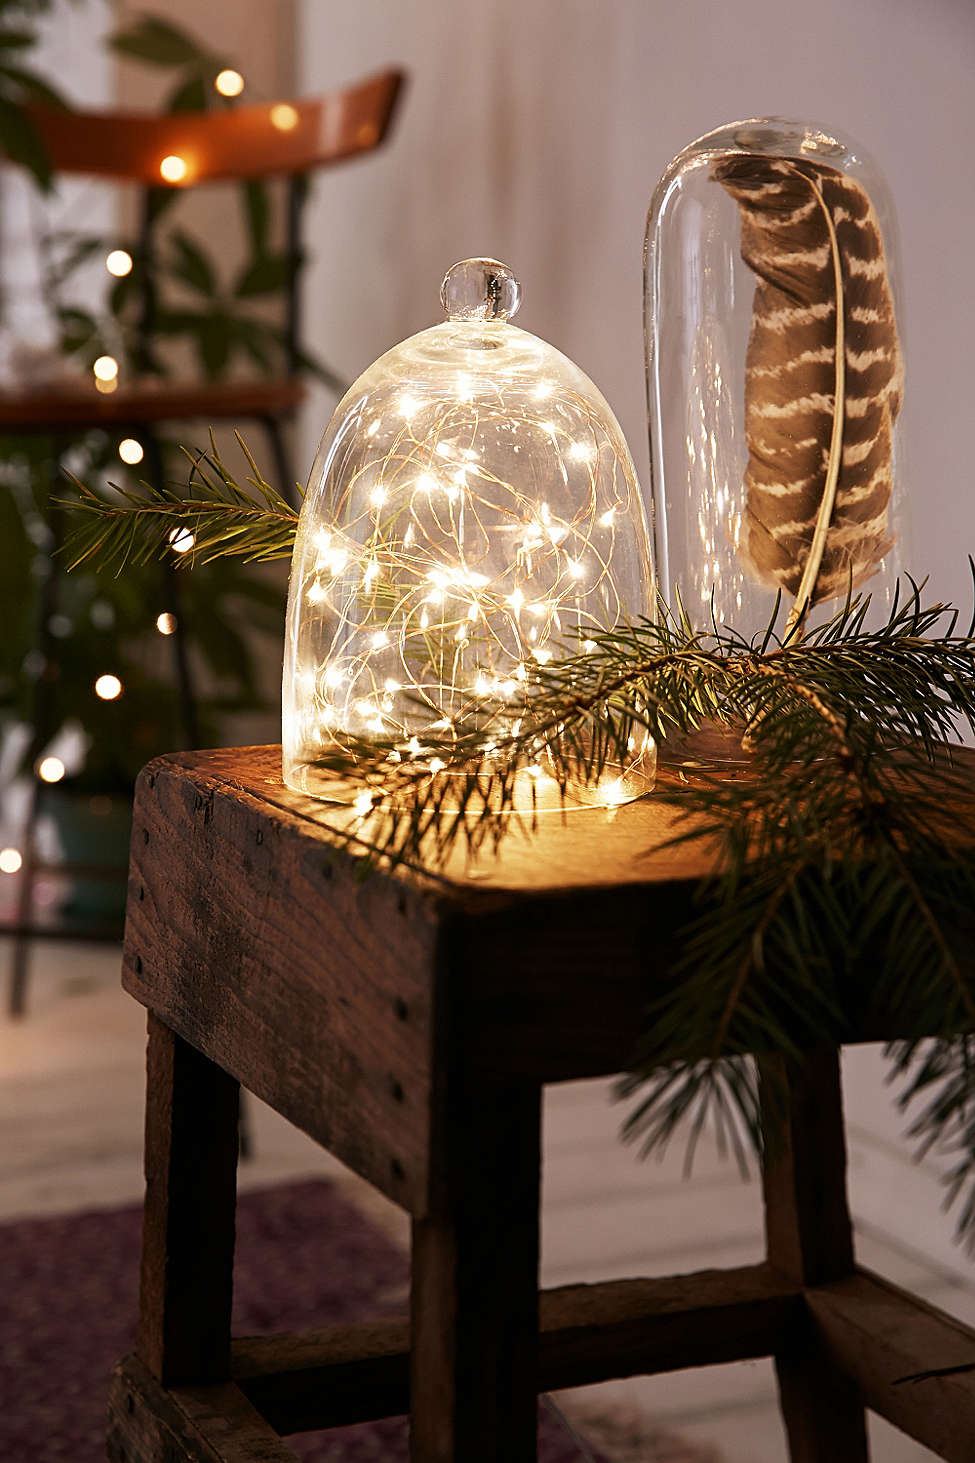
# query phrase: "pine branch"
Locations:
[[847, 856], [215, 515]]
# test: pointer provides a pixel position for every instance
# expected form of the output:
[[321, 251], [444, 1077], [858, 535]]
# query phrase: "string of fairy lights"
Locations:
[[175, 170], [492, 531]]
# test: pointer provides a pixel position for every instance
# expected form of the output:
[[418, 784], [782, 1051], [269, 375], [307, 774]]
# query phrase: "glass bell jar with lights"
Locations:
[[774, 378], [473, 512]]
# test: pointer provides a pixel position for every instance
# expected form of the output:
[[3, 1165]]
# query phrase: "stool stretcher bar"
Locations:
[[914, 1364]]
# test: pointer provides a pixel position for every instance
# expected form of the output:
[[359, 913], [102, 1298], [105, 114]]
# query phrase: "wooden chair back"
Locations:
[[238, 143]]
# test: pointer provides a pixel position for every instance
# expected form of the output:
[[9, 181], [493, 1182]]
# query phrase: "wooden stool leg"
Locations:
[[474, 1348], [810, 1238], [188, 1229]]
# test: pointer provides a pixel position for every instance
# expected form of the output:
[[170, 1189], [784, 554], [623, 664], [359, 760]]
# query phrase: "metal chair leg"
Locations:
[[245, 1128], [188, 705], [281, 457], [40, 696], [20, 967]]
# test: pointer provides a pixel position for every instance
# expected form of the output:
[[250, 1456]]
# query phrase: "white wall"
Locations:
[[71, 54], [535, 130]]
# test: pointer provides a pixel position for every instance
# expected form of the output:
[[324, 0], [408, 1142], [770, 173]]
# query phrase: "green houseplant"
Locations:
[[69, 640]]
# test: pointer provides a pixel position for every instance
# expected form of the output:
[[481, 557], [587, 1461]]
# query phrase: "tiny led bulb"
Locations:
[[284, 117], [130, 451], [166, 623], [51, 769], [181, 540], [173, 168], [614, 792], [10, 860], [119, 263], [105, 368], [108, 688], [229, 83]]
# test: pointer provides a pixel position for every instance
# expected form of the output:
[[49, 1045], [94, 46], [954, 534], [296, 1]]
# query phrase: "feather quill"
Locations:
[[823, 377]]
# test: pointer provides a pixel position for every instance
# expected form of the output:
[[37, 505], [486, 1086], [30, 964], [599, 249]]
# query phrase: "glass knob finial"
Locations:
[[480, 289]]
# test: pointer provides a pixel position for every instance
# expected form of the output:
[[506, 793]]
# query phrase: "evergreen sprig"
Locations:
[[222, 518], [847, 856]]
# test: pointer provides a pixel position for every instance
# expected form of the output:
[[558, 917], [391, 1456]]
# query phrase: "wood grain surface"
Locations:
[[587, 900], [247, 936], [913, 1364], [186, 1281], [151, 1424], [474, 1283], [810, 1239]]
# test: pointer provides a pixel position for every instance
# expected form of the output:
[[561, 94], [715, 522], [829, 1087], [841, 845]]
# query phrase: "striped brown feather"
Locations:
[[791, 375]]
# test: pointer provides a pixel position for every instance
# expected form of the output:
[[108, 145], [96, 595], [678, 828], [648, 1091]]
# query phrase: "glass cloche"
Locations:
[[775, 377], [472, 509]]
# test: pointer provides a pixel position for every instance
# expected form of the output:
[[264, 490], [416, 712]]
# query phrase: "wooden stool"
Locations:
[[408, 1021]]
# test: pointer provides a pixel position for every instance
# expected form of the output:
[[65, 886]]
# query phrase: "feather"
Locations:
[[823, 384]]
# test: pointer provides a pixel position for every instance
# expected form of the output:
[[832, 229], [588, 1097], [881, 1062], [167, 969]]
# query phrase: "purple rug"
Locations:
[[68, 1294]]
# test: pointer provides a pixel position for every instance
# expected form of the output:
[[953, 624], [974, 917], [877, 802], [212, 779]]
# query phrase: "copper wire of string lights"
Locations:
[[473, 510]]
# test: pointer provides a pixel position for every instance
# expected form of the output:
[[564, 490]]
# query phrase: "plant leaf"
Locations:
[[264, 276], [191, 265], [213, 342], [23, 144], [158, 42], [34, 86], [258, 212], [17, 40], [192, 94]]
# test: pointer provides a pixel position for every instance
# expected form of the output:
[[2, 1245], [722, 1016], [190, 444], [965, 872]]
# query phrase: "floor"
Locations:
[[71, 1089]]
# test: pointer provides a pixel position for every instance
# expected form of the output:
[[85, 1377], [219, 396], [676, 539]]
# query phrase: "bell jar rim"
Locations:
[[811, 139], [711, 144]]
